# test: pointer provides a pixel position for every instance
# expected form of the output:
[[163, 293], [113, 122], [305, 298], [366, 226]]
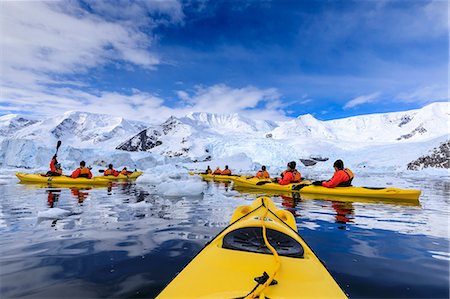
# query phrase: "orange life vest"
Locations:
[[262, 174], [109, 172], [297, 176], [226, 172], [84, 172]]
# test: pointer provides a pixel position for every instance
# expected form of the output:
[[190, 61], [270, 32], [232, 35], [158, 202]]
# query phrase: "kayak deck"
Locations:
[[307, 188], [228, 265]]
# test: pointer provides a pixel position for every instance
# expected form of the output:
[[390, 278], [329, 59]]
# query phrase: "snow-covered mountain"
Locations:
[[27, 142], [389, 140], [11, 123], [81, 129], [414, 125]]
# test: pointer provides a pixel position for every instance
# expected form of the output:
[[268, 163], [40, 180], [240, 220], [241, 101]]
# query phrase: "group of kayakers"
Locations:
[[342, 177], [82, 171], [226, 171]]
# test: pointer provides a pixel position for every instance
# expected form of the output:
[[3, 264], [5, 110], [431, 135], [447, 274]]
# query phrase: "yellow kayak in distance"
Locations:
[[241, 263], [131, 176], [219, 177], [60, 180], [306, 187]]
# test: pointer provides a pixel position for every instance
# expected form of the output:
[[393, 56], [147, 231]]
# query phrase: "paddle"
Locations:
[[263, 183], [58, 144], [300, 186], [101, 170]]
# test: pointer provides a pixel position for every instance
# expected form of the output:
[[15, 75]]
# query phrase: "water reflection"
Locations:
[[128, 240]]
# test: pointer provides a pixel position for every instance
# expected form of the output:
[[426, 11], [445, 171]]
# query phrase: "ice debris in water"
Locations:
[[53, 213]]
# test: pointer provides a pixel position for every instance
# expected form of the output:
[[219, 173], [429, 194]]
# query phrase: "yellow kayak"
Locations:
[[306, 187], [220, 177], [130, 176], [326, 197], [62, 180], [241, 263]]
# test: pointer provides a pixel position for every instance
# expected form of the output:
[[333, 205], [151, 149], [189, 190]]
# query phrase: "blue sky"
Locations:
[[273, 60]]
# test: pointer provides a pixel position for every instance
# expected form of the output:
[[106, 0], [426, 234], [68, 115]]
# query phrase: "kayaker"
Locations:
[[82, 171], [55, 168], [217, 171], [341, 177], [208, 170], [111, 171], [290, 175], [262, 174], [125, 171], [226, 171]]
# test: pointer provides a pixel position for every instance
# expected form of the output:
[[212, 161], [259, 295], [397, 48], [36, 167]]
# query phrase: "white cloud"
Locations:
[[362, 100], [425, 94], [44, 39], [249, 100], [140, 105]]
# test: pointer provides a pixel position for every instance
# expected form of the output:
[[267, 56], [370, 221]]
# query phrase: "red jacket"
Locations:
[[85, 172], [339, 177], [290, 177], [53, 165]]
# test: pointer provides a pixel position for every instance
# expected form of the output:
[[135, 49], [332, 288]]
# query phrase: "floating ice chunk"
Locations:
[[181, 187], [54, 213]]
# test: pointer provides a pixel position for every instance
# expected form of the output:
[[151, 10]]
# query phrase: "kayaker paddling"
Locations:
[[111, 171], [290, 175], [342, 177], [217, 171], [226, 171], [263, 174], [81, 172]]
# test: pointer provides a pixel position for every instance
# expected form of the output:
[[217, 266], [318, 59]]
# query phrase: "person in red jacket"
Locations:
[[341, 178], [125, 171], [111, 171], [82, 171], [208, 170], [55, 168], [217, 171], [290, 175], [262, 174], [226, 171]]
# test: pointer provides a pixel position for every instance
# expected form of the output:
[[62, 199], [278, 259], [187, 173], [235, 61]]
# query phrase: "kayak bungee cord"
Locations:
[[258, 290]]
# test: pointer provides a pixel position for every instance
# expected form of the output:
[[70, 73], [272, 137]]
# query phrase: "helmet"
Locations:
[[263, 167], [82, 163], [339, 164], [292, 165], [110, 166]]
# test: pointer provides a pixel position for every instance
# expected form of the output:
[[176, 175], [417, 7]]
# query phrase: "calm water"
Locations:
[[129, 241]]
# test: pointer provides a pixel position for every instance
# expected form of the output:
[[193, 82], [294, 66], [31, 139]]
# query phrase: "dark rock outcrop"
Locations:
[[308, 162], [143, 141], [419, 130], [439, 158]]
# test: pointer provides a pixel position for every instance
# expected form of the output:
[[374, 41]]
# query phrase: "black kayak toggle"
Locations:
[[262, 279]]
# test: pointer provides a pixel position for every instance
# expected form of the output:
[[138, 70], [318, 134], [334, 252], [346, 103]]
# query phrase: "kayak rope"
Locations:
[[258, 290]]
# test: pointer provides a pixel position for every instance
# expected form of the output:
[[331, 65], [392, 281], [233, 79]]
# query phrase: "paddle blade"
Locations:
[[58, 144], [299, 186], [101, 170]]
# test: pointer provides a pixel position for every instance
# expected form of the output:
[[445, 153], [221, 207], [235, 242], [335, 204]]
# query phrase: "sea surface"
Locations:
[[129, 240]]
